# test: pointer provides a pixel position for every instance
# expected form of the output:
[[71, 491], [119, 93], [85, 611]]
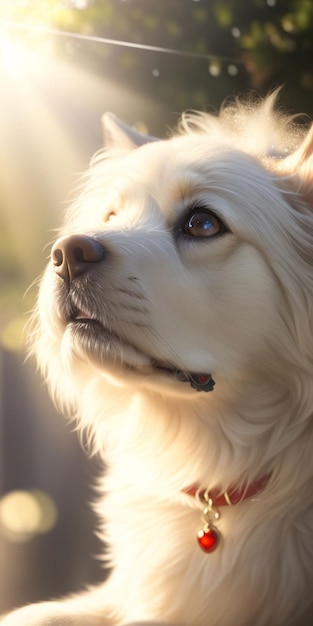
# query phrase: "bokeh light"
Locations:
[[24, 514]]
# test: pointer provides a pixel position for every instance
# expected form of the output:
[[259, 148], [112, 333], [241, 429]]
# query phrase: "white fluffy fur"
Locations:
[[238, 306]]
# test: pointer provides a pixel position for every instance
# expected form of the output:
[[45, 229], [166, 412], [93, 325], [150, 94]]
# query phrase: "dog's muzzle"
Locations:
[[75, 255]]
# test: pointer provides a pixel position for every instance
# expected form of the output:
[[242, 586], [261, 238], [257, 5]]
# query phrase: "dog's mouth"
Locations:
[[104, 344], [201, 382]]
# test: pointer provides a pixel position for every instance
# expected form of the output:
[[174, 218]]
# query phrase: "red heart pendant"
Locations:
[[208, 538]]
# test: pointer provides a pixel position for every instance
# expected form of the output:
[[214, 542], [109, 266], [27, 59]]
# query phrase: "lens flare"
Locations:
[[24, 514], [12, 56]]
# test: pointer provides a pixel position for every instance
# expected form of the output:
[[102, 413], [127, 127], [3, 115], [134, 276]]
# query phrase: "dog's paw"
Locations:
[[50, 614]]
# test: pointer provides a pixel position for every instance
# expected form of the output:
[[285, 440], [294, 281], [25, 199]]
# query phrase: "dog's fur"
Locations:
[[237, 305]]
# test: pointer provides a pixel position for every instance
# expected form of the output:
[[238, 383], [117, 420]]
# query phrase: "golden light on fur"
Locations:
[[203, 267]]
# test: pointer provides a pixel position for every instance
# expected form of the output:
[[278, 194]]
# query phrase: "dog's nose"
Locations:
[[73, 255]]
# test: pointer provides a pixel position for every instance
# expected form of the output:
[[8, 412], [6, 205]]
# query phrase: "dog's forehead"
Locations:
[[194, 158], [175, 166], [164, 179], [184, 168], [176, 154], [157, 179]]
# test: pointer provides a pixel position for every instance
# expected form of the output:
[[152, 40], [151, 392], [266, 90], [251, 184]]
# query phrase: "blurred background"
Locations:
[[62, 64]]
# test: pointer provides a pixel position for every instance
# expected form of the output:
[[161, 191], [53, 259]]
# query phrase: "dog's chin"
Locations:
[[92, 342]]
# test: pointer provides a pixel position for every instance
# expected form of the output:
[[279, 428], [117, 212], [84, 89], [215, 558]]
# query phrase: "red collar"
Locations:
[[234, 495]]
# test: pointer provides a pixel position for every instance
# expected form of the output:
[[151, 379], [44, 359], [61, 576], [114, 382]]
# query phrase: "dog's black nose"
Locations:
[[74, 254]]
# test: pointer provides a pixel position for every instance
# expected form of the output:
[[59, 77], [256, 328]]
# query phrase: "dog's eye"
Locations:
[[203, 223]]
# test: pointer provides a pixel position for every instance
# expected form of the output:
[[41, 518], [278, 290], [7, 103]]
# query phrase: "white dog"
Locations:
[[175, 319]]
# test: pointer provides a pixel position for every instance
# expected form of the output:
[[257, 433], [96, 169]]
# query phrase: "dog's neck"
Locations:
[[209, 535], [233, 496]]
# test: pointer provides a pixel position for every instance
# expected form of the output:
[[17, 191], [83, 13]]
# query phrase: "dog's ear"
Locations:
[[300, 164], [117, 134]]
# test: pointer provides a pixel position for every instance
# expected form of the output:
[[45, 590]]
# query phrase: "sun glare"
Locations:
[[50, 110], [13, 56]]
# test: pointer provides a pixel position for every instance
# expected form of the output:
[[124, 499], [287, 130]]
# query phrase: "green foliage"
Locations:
[[272, 41], [223, 13]]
